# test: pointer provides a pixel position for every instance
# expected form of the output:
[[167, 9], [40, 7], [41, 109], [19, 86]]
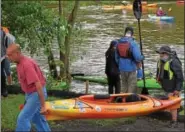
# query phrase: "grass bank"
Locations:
[[10, 110]]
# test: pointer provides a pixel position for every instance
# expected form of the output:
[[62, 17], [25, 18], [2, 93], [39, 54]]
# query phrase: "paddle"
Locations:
[[137, 9]]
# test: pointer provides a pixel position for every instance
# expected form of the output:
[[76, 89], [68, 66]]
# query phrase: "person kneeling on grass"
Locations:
[[170, 76]]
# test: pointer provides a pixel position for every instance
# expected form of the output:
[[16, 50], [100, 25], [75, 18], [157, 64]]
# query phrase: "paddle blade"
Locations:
[[137, 9], [169, 9]]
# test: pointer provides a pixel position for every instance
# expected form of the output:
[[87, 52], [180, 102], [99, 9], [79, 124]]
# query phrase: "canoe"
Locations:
[[151, 5], [104, 107], [150, 82], [162, 18]]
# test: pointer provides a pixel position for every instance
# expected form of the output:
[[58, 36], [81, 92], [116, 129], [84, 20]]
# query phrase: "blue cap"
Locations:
[[114, 42]]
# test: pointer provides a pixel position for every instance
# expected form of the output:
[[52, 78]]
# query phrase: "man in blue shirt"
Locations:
[[128, 56]]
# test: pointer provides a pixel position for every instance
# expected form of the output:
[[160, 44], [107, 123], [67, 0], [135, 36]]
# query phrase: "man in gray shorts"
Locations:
[[128, 56]]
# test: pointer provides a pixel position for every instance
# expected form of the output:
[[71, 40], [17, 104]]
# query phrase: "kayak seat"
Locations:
[[118, 100], [101, 96], [132, 98]]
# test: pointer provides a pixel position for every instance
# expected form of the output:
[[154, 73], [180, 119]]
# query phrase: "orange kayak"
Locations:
[[104, 106], [129, 7], [151, 5]]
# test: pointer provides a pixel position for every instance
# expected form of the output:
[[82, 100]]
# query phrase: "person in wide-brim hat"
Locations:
[[170, 76], [164, 49]]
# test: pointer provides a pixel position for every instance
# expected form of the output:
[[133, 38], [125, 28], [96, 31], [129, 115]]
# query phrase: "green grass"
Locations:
[[10, 111], [182, 112]]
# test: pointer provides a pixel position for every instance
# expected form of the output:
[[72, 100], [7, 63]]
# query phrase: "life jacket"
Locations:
[[166, 76], [167, 72], [124, 50]]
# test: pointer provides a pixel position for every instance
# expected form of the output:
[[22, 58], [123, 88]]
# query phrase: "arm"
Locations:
[[7, 71], [136, 52], [41, 94], [177, 70], [32, 78]]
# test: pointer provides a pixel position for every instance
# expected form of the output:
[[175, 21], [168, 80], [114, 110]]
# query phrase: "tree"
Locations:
[[64, 57], [34, 27]]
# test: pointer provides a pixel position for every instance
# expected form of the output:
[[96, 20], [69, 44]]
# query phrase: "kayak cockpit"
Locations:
[[114, 98]]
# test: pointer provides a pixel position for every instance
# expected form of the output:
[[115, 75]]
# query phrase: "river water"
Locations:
[[100, 27]]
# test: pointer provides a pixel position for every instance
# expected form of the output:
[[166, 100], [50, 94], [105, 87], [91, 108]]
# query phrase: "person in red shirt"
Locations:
[[32, 83]]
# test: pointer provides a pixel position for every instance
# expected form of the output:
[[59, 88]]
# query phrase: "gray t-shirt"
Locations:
[[6, 40]]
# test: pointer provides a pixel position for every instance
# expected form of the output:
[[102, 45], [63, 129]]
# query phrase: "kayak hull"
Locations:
[[162, 18], [90, 107], [180, 1]]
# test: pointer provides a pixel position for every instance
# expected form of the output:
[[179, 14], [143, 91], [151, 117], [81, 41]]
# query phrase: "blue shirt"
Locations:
[[129, 64]]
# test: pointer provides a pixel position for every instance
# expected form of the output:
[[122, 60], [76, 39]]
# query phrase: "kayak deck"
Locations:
[[161, 18], [150, 83]]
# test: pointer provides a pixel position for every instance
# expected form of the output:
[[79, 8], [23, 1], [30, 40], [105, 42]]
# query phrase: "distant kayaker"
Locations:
[[128, 56], [170, 76], [112, 70], [160, 12], [33, 83]]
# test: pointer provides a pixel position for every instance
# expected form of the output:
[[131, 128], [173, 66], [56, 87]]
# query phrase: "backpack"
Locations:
[[123, 49]]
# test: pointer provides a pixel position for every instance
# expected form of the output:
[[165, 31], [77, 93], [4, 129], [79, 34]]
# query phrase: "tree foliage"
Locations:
[[35, 27]]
